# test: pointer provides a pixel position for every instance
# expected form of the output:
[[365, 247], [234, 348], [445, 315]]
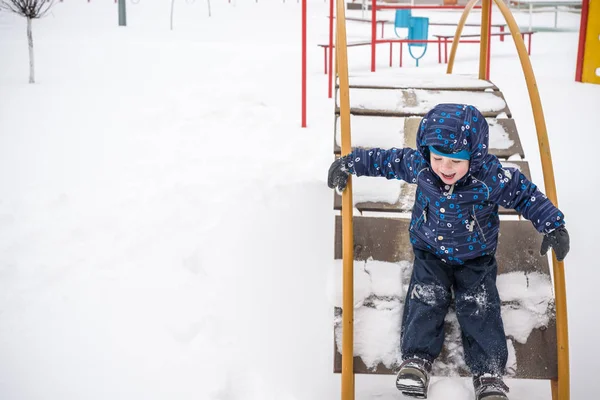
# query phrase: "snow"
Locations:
[[499, 138], [387, 79], [370, 131], [165, 226], [394, 100], [376, 190], [380, 289]]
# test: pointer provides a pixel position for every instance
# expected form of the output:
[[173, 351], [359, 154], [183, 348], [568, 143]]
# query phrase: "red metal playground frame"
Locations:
[[374, 41], [375, 7]]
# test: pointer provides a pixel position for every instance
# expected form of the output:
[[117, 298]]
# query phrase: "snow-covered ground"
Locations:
[[165, 227]]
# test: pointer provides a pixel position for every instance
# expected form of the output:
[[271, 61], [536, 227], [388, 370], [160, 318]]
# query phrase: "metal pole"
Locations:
[[582, 36], [330, 77], [489, 49], [303, 63], [122, 13], [373, 32], [484, 37], [459, 29], [347, 209]]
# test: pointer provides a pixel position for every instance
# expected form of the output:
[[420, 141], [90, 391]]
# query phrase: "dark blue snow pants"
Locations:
[[477, 307]]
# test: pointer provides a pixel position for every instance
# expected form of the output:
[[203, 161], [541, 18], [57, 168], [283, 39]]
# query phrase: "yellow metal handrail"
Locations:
[[561, 387], [341, 53]]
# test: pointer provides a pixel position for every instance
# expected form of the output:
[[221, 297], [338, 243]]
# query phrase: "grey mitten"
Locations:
[[338, 175], [558, 239]]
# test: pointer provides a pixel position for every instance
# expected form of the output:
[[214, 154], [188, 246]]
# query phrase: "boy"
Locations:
[[454, 234]]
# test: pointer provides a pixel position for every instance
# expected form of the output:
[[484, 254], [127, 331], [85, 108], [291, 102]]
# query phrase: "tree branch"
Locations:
[[28, 8]]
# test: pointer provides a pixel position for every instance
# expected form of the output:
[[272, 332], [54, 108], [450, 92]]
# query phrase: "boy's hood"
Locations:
[[456, 127]]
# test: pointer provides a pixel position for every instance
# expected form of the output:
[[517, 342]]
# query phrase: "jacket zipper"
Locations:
[[478, 226], [423, 217]]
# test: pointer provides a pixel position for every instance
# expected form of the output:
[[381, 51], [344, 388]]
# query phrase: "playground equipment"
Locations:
[[544, 354], [440, 39], [376, 7], [418, 31], [532, 6], [588, 54], [402, 20]]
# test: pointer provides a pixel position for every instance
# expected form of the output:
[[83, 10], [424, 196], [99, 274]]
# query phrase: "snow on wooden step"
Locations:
[[526, 307], [407, 102], [384, 132], [383, 263], [393, 79]]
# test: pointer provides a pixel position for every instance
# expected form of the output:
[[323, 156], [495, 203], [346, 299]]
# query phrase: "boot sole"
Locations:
[[412, 382], [493, 397], [422, 394]]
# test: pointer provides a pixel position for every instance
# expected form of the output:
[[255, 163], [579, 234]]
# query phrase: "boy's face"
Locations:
[[450, 170]]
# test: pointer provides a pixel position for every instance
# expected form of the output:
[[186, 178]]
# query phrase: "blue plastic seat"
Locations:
[[418, 30], [402, 19]]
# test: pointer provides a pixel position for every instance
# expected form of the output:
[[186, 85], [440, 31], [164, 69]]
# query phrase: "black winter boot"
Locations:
[[490, 387], [413, 377]]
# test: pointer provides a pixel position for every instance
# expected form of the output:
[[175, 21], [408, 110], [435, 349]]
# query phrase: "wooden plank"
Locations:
[[411, 102], [356, 6], [386, 239], [502, 129], [386, 132], [536, 359], [397, 80], [405, 200]]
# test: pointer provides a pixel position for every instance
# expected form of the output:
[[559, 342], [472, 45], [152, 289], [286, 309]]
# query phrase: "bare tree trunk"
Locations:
[[31, 61], [172, 9], [209, 8]]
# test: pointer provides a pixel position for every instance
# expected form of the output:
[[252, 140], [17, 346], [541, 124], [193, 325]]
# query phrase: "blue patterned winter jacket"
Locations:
[[457, 222]]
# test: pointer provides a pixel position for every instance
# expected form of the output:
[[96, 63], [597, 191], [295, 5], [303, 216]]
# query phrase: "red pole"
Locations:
[[304, 63], [401, 45], [582, 34], [373, 32], [330, 48], [487, 59]]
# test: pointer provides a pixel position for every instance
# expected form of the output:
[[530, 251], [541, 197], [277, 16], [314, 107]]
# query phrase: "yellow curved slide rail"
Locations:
[[560, 388], [459, 29], [341, 53]]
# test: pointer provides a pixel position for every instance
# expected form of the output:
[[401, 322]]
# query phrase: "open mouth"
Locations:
[[448, 177]]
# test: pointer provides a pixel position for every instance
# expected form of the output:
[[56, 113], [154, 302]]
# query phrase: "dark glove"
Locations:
[[338, 175], [558, 239]]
